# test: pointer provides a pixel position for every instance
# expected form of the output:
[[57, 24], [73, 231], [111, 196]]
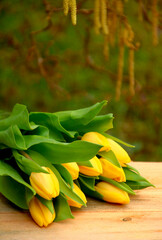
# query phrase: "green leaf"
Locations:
[[87, 182], [47, 203], [120, 185], [132, 176], [31, 140], [89, 191], [27, 165], [51, 121], [62, 208], [74, 120], [40, 130], [98, 124], [132, 168], [19, 117], [29, 195], [65, 174], [64, 187], [118, 140], [13, 187], [110, 156], [86, 176], [139, 185], [57, 152], [12, 137], [85, 163]]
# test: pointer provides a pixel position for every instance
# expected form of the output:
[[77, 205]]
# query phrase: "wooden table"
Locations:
[[140, 220]]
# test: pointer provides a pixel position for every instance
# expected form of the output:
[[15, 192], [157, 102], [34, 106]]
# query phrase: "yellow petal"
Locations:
[[111, 171], [73, 169], [95, 170], [79, 192], [111, 193], [121, 155], [56, 187], [95, 137], [40, 213], [45, 184]]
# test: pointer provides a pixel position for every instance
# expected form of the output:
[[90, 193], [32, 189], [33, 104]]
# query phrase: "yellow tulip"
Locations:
[[45, 184], [111, 171], [95, 137], [121, 155], [73, 169], [95, 170], [79, 192], [111, 193], [40, 213]]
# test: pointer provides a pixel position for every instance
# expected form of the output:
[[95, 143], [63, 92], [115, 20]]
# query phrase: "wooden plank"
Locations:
[[141, 219]]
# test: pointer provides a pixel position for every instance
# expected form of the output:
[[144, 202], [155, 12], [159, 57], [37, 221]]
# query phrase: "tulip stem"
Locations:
[[25, 155], [79, 137]]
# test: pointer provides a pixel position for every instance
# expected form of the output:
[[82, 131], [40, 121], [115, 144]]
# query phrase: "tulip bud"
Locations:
[[111, 193], [95, 137], [45, 184], [40, 213], [121, 155], [73, 169], [111, 171], [95, 170], [79, 192]]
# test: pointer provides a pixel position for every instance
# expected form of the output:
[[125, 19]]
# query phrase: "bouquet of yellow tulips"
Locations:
[[51, 161]]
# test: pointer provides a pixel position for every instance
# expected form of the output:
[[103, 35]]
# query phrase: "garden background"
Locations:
[[62, 67]]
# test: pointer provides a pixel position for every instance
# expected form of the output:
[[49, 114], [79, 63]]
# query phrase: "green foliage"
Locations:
[[30, 141], [135, 180], [13, 187], [87, 186], [138, 185], [65, 174], [62, 209], [110, 156], [43, 150]]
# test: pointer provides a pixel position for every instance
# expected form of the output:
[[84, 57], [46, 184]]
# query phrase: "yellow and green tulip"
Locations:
[[121, 155], [95, 137], [40, 213], [111, 193], [79, 192], [45, 184], [73, 169], [95, 170], [111, 171]]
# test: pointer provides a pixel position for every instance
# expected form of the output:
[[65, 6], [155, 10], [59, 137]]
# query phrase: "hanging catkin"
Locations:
[[119, 7], [97, 20], [70, 5], [120, 65], [66, 7], [154, 23], [120, 71], [73, 8], [104, 17], [131, 71], [106, 47], [140, 11]]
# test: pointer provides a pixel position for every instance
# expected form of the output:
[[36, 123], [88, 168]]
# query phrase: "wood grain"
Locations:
[[139, 220]]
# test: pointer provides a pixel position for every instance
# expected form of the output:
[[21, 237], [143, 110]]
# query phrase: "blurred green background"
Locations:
[[51, 72]]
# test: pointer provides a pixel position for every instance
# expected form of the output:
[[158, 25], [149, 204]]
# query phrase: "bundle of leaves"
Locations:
[[36, 148]]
